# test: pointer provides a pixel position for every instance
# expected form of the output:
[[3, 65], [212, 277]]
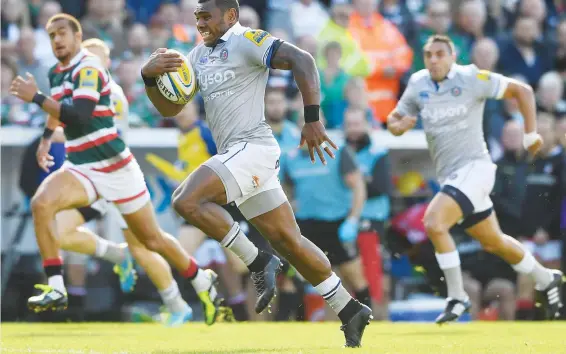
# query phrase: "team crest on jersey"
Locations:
[[456, 91], [257, 36], [224, 54]]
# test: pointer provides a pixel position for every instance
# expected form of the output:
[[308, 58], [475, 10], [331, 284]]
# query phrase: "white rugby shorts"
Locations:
[[125, 187], [475, 180], [248, 170]]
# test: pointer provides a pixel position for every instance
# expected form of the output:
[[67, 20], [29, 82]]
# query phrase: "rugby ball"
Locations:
[[178, 87]]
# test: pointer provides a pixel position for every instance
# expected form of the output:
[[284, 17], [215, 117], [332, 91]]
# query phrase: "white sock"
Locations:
[[450, 264], [201, 282], [529, 265], [238, 243], [109, 251], [334, 293], [172, 298], [57, 283]]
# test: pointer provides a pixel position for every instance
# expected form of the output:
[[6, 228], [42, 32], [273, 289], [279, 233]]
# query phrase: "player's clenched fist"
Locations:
[[161, 62], [532, 142]]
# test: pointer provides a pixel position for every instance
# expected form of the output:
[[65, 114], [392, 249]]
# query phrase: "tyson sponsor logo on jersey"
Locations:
[[437, 113], [218, 78]]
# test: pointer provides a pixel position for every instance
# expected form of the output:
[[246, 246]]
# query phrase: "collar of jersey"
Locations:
[[237, 27], [449, 76], [75, 59]]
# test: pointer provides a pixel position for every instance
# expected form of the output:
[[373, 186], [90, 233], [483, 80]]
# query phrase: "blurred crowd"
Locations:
[[365, 52]]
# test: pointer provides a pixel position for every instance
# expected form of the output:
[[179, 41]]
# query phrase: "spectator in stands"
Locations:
[[308, 43], [438, 21], [14, 16], [169, 12], [142, 112], [485, 55], [14, 110], [357, 97], [399, 14], [388, 52], [353, 60], [523, 54], [184, 34], [249, 17], [509, 189], [43, 51], [159, 32], [537, 10], [550, 94], [138, 44], [472, 16], [277, 15], [333, 82], [560, 58], [545, 187], [100, 22], [276, 114], [314, 13], [29, 63]]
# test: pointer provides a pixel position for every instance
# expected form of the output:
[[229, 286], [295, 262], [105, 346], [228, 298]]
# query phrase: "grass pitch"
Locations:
[[259, 337]]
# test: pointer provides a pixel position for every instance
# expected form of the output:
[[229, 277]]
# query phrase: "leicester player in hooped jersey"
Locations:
[[450, 100], [99, 166]]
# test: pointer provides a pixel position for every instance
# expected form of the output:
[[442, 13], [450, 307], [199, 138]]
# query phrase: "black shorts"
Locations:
[[324, 234], [246, 227], [89, 213]]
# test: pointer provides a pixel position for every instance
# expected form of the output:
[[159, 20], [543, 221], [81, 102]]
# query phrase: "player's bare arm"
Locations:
[[161, 62], [302, 64], [398, 124], [525, 97]]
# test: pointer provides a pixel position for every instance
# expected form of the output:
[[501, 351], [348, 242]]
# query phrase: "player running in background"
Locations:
[[99, 166], [450, 99], [75, 238], [232, 67]]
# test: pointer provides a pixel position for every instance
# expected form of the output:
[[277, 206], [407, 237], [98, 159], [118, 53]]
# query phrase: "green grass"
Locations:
[[259, 337]]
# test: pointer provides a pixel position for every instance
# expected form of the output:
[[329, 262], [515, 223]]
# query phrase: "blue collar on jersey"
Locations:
[[235, 27]]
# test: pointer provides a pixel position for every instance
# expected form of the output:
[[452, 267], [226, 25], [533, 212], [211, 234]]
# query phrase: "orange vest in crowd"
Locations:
[[385, 47]]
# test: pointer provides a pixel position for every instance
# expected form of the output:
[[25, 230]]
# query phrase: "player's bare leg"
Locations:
[[442, 213], [60, 191], [159, 272], [76, 238], [144, 225], [280, 228], [198, 200], [548, 282]]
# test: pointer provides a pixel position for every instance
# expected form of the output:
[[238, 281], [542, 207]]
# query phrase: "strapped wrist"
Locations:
[[312, 113], [39, 98], [148, 81], [47, 133]]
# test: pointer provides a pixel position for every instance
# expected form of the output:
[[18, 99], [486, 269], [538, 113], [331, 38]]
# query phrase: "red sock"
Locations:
[[53, 266], [191, 271], [53, 262]]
